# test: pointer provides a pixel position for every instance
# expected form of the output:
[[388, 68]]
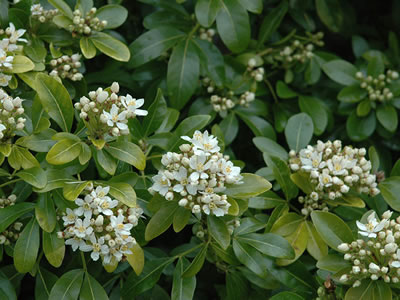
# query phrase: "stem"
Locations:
[[295, 208], [154, 156], [271, 89], [10, 182], [188, 251], [191, 33], [83, 261], [79, 177], [265, 51]]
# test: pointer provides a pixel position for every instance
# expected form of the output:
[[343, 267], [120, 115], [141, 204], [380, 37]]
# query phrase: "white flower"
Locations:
[[82, 229], [182, 177], [338, 165], [208, 144], [197, 163], [113, 118], [16, 34], [75, 243], [4, 79], [132, 105], [100, 192], [161, 183], [98, 247], [197, 137], [325, 179], [85, 207], [106, 205], [5, 61], [310, 160], [231, 172], [214, 204], [373, 268], [119, 227], [396, 263], [70, 218], [371, 227]]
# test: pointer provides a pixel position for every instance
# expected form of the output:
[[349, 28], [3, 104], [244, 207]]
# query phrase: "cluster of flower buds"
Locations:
[[378, 254], [209, 84], [197, 176], [100, 225], [86, 24], [377, 88], [41, 14], [8, 45], [312, 202], [333, 171], [257, 74], [206, 34], [11, 119], [11, 234], [246, 98], [104, 112], [221, 104], [67, 67]]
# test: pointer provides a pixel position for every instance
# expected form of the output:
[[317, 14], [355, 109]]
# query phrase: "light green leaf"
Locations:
[[369, 290], [359, 128], [270, 147], [21, 64], [197, 263], [352, 94], [122, 192], [316, 110], [115, 15], [72, 190], [55, 100], [390, 189], [87, 47], [252, 185], [34, 176], [110, 46], [53, 248], [127, 152], [64, 152], [62, 7], [315, 245], [45, 212]]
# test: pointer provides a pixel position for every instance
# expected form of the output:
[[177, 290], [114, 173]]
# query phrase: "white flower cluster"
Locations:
[[8, 45], [257, 74], [11, 119], [11, 234], [206, 34], [221, 104], [86, 24], [197, 176], [246, 98], [377, 87], [333, 171], [100, 225], [67, 67], [379, 255], [41, 14], [106, 112]]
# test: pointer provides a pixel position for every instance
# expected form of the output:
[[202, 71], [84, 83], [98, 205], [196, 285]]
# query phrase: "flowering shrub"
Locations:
[[199, 149]]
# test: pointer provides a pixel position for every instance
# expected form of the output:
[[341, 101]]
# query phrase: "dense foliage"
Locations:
[[199, 149]]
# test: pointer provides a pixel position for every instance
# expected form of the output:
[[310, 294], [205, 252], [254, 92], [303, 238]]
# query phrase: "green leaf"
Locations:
[[298, 240], [250, 257], [21, 64], [115, 15], [333, 263], [312, 72], [72, 190], [6, 288], [64, 152], [259, 126], [183, 73], [62, 7], [206, 11], [302, 180], [352, 94], [197, 263], [122, 192], [110, 46], [269, 244], [152, 44], [92, 289], [85, 155], [331, 14], [135, 285], [270, 147], [45, 212], [390, 189], [316, 110], [286, 296], [181, 218], [27, 247], [45, 280], [252, 185], [341, 72], [219, 231], [106, 161], [87, 47], [287, 224], [34, 176], [387, 116], [156, 113], [331, 228], [284, 91], [21, 157], [374, 158], [376, 65], [315, 245], [358, 128], [62, 21], [161, 220], [299, 131], [10, 214], [136, 259], [53, 248], [360, 45], [230, 127], [233, 25], [363, 108], [281, 173], [369, 290], [67, 286], [254, 6], [271, 22], [182, 288], [127, 152], [84, 6], [55, 100]]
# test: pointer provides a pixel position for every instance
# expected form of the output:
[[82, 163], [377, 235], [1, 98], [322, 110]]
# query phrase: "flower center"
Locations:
[[120, 226], [315, 163], [207, 146], [338, 167], [200, 167]]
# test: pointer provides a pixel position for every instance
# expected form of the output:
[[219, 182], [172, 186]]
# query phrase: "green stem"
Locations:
[[265, 52], [10, 182], [79, 177], [188, 251], [271, 89], [83, 261], [154, 156], [191, 33]]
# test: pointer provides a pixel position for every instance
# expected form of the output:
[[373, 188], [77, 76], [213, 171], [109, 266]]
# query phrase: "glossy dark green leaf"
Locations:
[[352, 94], [299, 131], [68, 286], [331, 14], [45, 212], [53, 248], [219, 231], [316, 110], [271, 22], [92, 289], [11, 213], [387, 116], [197, 263], [359, 128], [161, 220], [341, 71], [156, 114], [182, 287], [230, 128], [27, 247], [206, 11]]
